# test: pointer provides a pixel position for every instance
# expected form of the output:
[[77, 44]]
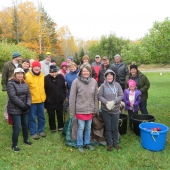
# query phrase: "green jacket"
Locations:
[[7, 73], [143, 86]]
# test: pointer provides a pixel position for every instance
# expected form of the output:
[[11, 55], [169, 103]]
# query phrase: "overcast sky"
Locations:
[[89, 19]]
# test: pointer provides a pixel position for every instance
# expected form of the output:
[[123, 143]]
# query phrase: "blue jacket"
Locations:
[[136, 102], [69, 78]]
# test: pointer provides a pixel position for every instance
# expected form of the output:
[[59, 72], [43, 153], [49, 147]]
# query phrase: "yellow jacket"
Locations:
[[36, 85]]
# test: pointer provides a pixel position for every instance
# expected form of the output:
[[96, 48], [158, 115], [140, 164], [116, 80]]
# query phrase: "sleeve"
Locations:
[[4, 78], [29, 98], [115, 70], [96, 103], [119, 95], [138, 100], [101, 95], [125, 98], [64, 88], [72, 99], [94, 75], [146, 85], [13, 97]]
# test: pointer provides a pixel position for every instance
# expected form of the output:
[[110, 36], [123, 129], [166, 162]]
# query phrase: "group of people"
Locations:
[[33, 86]]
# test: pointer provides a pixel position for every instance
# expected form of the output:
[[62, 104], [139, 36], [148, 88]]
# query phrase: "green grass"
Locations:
[[51, 153]]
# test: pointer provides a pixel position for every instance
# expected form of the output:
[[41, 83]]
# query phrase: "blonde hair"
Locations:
[[14, 76], [72, 64]]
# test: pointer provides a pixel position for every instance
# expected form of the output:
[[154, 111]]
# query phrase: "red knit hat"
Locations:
[[36, 64]]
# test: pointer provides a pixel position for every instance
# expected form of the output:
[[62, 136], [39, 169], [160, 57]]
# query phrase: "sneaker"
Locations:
[[109, 148], [16, 149], [81, 149], [117, 147], [35, 137], [89, 147], [42, 134], [60, 129], [27, 142], [53, 131]]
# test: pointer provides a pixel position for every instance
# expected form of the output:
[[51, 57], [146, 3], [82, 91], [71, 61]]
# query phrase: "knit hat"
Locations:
[[85, 56], [117, 55], [36, 64], [73, 64], [71, 58], [15, 55], [134, 66], [131, 83], [53, 69], [87, 66], [64, 64]]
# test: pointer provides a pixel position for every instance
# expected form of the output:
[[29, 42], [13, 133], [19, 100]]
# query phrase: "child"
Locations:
[[132, 99]]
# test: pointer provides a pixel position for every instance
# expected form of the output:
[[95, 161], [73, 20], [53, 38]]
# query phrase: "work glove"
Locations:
[[110, 105]]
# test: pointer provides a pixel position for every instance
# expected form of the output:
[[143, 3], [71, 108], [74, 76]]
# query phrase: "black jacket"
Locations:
[[19, 96], [102, 72], [55, 90]]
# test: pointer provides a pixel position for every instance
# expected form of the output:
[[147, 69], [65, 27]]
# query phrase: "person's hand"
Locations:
[[26, 107], [110, 105]]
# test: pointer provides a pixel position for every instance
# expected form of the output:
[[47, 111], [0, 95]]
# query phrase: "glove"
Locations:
[[26, 107], [110, 105]]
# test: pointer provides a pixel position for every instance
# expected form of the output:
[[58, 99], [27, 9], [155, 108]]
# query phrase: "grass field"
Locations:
[[51, 153]]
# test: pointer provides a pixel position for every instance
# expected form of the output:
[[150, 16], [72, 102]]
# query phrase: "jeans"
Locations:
[[36, 110], [51, 118], [143, 107], [18, 121], [111, 122], [131, 113], [84, 131]]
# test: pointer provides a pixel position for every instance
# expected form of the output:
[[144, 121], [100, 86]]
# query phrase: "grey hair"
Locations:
[[117, 55]]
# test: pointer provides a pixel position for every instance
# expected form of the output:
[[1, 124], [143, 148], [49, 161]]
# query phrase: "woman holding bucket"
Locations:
[[132, 99], [110, 95]]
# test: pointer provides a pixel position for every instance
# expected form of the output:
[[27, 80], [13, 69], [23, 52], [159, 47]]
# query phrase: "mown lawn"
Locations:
[[51, 153]]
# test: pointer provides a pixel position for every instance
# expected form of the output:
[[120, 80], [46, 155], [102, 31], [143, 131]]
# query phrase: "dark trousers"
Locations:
[[111, 122], [18, 121], [51, 116], [131, 113], [143, 107]]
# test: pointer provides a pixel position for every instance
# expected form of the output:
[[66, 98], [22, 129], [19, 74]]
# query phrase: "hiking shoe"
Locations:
[[16, 149], [117, 147], [27, 142], [109, 148], [42, 134], [81, 149], [60, 129], [35, 137], [89, 147]]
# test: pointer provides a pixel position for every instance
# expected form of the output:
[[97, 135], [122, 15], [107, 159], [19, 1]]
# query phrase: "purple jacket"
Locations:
[[136, 102]]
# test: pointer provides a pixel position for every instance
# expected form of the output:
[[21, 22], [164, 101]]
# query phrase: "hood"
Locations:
[[64, 64], [110, 71]]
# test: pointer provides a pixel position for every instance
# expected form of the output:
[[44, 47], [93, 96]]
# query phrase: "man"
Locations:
[[69, 59], [35, 81], [105, 66], [45, 64], [96, 65], [122, 70], [7, 73]]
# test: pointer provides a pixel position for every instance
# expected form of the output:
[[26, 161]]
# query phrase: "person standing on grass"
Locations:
[[18, 106], [69, 78], [110, 95], [122, 70], [142, 84], [55, 90], [132, 99], [7, 73], [35, 81], [83, 104], [26, 65]]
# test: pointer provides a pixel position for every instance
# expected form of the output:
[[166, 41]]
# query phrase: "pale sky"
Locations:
[[89, 19]]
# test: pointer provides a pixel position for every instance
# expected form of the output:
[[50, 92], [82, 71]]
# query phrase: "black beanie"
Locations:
[[53, 69], [134, 66]]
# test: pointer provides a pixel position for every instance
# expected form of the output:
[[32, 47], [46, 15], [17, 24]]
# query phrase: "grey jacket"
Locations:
[[19, 96], [110, 92], [45, 67], [83, 97]]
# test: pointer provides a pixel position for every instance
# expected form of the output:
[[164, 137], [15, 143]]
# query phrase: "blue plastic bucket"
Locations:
[[153, 140]]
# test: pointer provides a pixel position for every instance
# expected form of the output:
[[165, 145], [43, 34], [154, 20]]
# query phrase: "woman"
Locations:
[[18, 106], [83, 104], [55, 95], [142, 84], [63, 69], [110, 95], [69, 78], [26, 65]]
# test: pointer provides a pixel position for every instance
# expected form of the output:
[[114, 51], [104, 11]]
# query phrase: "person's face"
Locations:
[[18, 59], [48, 58], [109, 77], [25, 65], [85, 60], [85, 73], [19, 76], [132, 88], [73, 68], [54, 74], [105, 62], [64, 68], [68, 61], [31, 61], [36, 69], [133, 72], [97, 59], [53, 63], [117, 59]]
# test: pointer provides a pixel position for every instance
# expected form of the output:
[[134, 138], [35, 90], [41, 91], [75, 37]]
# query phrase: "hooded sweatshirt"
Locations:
[[110, 92]]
